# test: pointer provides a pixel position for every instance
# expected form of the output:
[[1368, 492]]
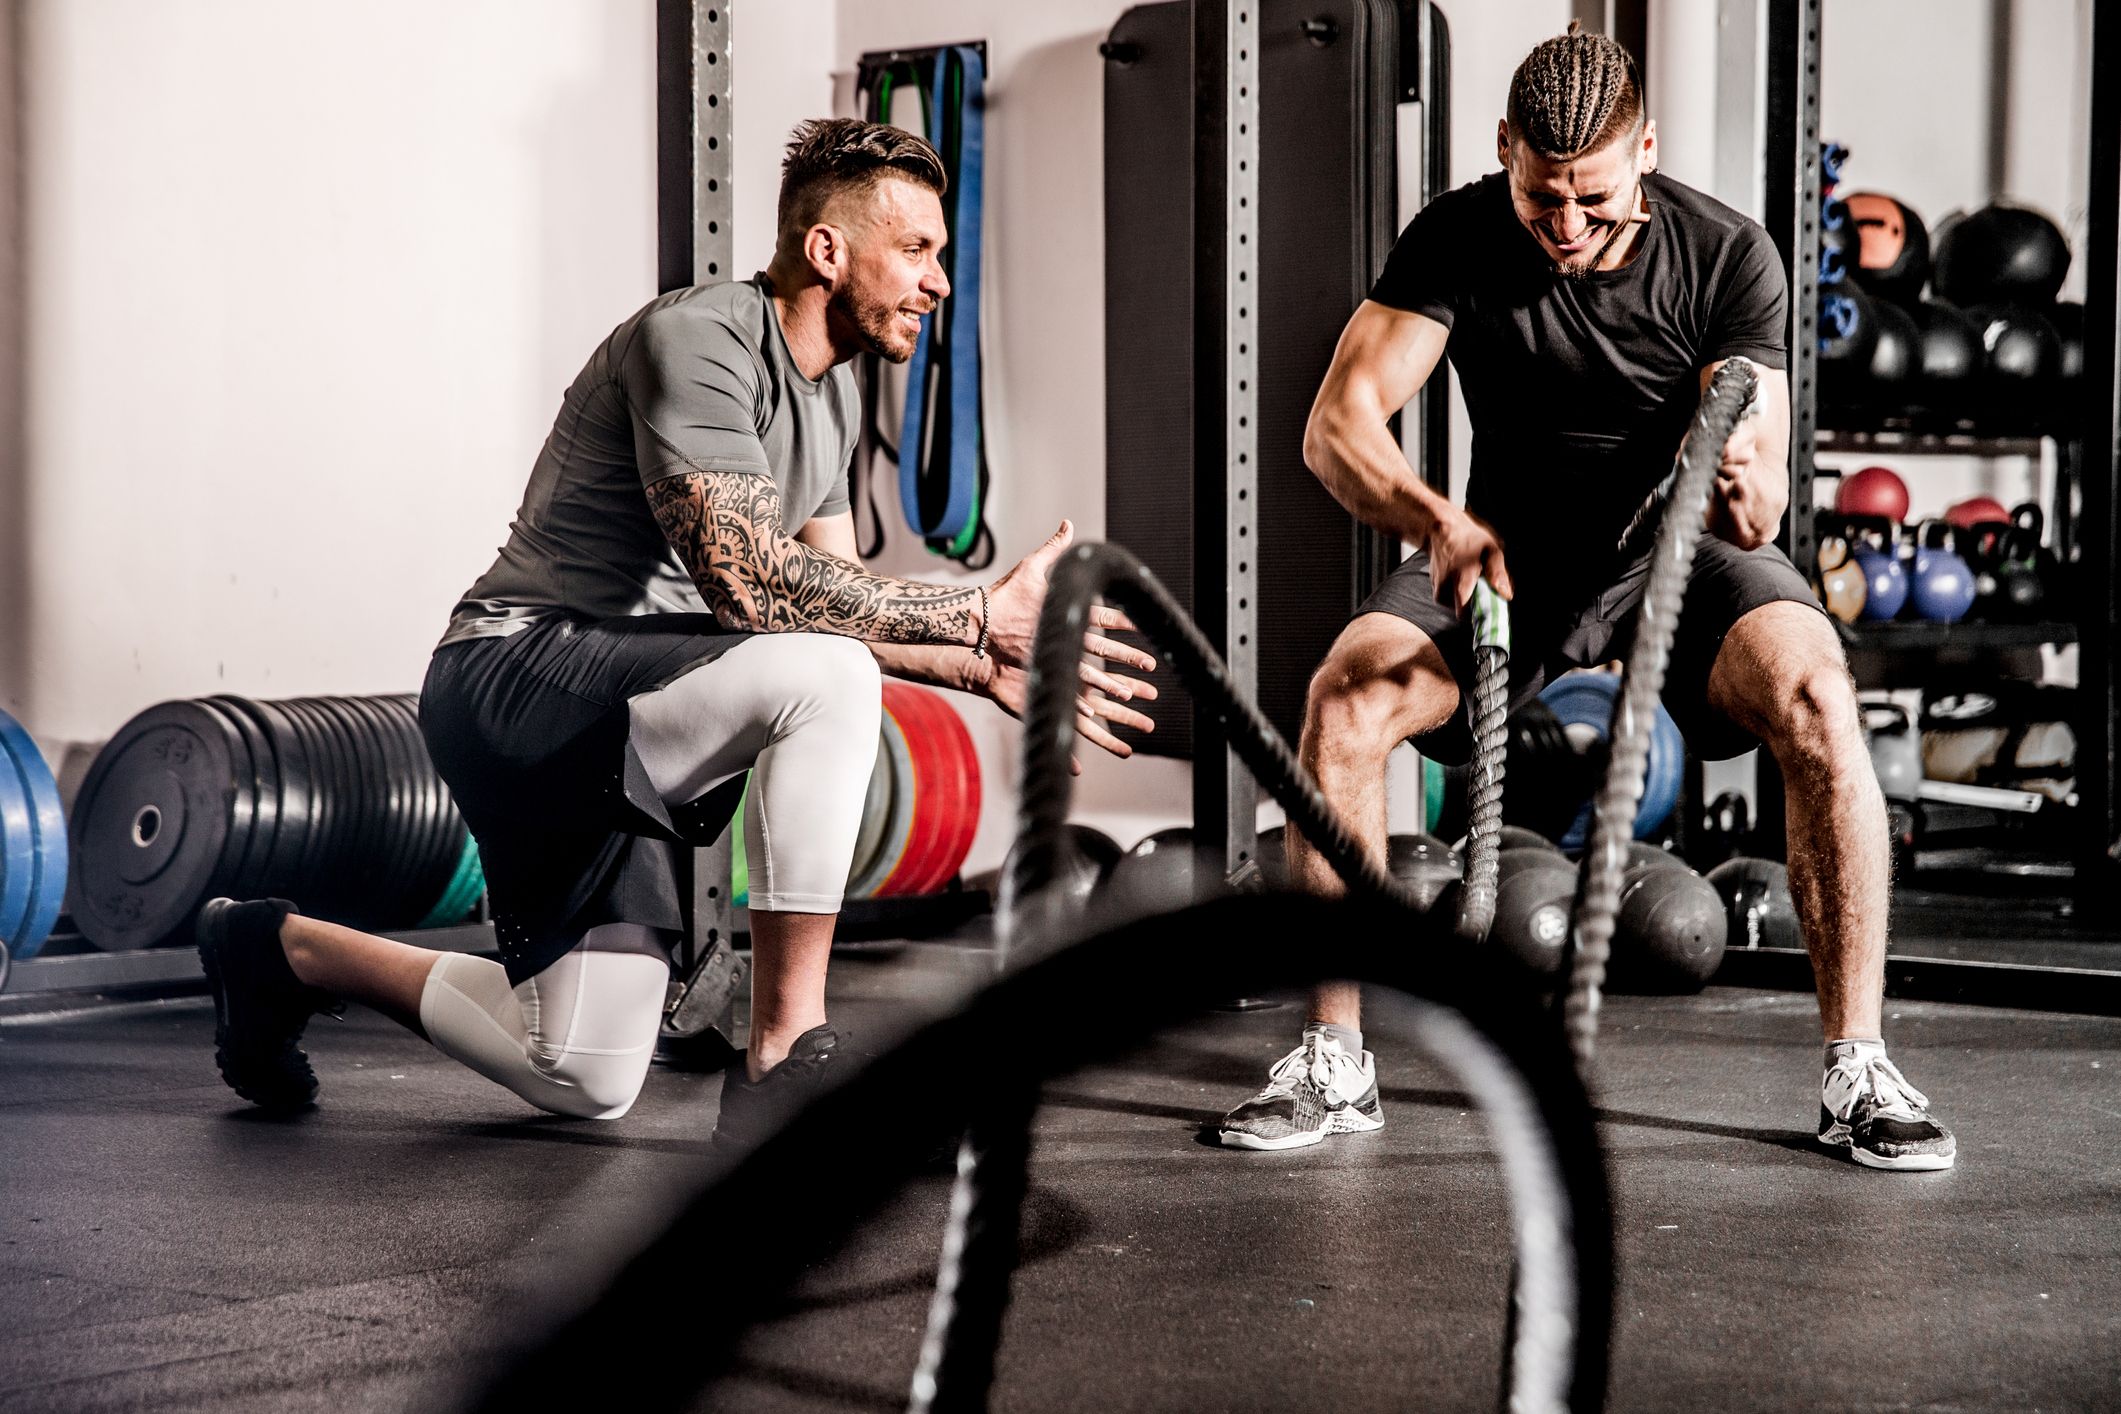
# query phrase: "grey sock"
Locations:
[[1348, 1037]]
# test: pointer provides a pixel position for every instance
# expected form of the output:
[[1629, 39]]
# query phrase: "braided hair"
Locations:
[[1574, 94]]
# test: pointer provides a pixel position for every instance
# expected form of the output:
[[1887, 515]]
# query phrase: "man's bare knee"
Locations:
[[1362, 703], [1811, 716]]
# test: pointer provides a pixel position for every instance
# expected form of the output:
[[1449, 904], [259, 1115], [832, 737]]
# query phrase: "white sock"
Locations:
[[1859, 1049], [1348, 1038]]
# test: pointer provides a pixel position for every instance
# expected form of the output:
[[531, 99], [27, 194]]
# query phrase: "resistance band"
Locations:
[[941, 452]]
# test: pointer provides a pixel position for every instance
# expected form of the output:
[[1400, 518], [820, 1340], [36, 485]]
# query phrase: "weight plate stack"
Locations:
[[152, 825], [329, 801], [46, 879]]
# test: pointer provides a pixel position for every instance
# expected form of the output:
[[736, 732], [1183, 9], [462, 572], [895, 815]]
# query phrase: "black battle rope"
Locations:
[[1683, 500], [1491, 748], [765, 1222], [1544, 1358]]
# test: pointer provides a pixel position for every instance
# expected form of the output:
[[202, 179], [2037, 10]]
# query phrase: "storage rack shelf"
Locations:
[[2083, 423]]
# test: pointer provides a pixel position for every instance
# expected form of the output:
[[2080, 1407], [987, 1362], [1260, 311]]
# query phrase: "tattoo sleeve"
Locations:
[[726, 529]]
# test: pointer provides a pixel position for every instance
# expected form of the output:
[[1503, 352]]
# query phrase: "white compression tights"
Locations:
[[576, 1039], [800, 710]]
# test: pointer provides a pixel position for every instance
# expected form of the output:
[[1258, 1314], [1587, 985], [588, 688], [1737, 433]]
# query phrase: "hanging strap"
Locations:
[[876, 92], [941, 451]]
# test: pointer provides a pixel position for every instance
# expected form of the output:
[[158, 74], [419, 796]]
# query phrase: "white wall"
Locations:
[[306, 283]]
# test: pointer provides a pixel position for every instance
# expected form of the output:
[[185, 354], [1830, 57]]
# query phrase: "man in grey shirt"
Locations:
[[679, 601]]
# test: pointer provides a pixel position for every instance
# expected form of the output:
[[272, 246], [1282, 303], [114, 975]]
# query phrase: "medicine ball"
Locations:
[[2021, 366], [1888, 384], [1166, 872], [1671, 932], [1425, 864], [1872, 491], [1534, 894], [2068, 318], [1893, 247], [1086, 858], [1757, 905], [1951, 356], [2001, 255], [1977, 510]]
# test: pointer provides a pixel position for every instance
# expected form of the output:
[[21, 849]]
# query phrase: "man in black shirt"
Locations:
[[1585, 301]]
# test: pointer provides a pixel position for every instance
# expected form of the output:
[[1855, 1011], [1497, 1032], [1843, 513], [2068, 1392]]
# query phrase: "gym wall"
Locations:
[[305, 283]]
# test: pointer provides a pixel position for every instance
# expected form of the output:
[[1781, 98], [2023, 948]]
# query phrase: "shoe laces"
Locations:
[[1889, 1092], [1319, 1061]]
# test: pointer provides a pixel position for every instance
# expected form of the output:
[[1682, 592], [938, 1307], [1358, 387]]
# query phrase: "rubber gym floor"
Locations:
[[166, 1248]]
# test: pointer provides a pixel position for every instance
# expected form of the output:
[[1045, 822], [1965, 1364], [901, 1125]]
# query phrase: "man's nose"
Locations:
[[936, 283], [1571, 223]]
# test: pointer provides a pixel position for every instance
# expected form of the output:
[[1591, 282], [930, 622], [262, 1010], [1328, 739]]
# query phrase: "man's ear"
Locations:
[[1502, 141], [825, 248], [1649, 145]]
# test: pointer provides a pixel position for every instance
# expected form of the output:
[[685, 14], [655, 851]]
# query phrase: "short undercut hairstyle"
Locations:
[[1574, 94], [830, 157]]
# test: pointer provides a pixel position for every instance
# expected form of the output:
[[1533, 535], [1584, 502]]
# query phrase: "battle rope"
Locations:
[[1681, 501], [1491, 746], [1547, 1353]]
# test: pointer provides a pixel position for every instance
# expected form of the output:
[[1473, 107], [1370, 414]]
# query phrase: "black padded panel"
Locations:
[[1149, 315], [1326, 209]]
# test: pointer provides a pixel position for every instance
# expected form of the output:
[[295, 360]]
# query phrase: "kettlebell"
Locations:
[[2019, 590], [1980, 544], [1884, 583], [1841, 585], [1941, 588], [1896, 749]]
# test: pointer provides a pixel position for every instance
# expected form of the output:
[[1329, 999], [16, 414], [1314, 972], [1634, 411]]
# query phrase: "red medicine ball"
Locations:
[[1873, 491], [1977, 510]]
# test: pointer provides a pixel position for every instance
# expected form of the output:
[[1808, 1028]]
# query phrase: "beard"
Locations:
[[876, 322], [1569, 270]]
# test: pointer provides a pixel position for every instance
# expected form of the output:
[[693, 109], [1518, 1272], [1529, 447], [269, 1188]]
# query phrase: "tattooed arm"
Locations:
[[1101, 704], [726, 528], [692, 392]]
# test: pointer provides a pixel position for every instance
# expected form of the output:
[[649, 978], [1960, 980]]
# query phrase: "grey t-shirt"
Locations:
[[701, 379]]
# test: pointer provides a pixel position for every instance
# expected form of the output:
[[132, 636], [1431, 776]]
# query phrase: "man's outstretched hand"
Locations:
[[1014, 602], [1101, 700]]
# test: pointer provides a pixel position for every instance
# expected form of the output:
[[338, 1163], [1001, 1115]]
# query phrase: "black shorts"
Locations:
[[531, 733], [1547, 638]]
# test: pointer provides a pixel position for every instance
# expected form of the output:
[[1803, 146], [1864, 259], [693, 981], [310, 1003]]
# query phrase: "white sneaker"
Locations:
[[1315, 1090], [1867, 1107]]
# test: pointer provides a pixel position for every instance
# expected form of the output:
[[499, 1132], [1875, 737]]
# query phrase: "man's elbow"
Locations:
[[1319, 439], [738, 600]]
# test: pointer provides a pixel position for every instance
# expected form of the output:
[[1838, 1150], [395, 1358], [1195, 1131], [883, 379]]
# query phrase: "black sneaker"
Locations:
[[1867, 1107], [260, 1007], [753, 1109]]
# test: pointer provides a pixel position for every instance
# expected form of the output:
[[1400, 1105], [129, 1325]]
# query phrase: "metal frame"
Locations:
[[695, 244], [1226, 37], [695, 240], [2098, 454]]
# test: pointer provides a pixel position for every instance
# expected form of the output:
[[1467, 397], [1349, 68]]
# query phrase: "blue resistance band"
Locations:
[[944, 372]]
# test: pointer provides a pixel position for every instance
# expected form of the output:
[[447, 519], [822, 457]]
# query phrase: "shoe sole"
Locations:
[[207, 934], [1896, 1163], [1344, 1121]]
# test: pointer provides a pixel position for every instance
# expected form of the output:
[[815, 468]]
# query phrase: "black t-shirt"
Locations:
[[1580, 390]]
